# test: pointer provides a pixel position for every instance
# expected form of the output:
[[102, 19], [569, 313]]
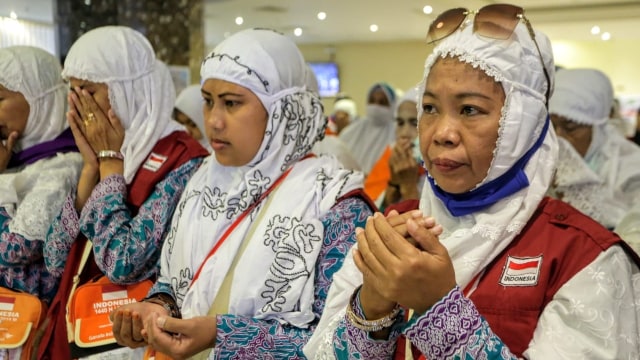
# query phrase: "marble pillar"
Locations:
[[174, 27]]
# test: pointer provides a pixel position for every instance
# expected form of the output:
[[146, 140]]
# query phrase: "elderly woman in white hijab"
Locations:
[[39, 165], [188, 112], [262, 225], [368, 137], [512, 269], [580, 108], [137, 160]]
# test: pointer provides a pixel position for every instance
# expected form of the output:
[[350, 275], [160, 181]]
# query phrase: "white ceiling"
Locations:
[[349, 20]]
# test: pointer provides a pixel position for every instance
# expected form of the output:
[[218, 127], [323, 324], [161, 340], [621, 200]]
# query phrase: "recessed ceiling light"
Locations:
[[605, 36], [427, 9], [595, 30], [297, 31], [239, 20], [373, 28], [13, 15], [322, 15], [87, 2]]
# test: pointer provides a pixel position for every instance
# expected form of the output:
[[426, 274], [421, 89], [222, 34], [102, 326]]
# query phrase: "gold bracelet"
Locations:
[[370, 325]]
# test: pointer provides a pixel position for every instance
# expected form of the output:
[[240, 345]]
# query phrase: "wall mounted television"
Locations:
[[328, 77]]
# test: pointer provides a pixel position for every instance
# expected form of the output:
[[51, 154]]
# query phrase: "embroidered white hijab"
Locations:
[[474, 240], [35, 74], [33, 195], [274, 276], [141, 90]]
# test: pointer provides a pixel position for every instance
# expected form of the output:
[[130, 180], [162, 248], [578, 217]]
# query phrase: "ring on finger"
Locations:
[[91, 117]]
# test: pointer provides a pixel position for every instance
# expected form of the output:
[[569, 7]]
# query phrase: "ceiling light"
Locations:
[[13, 15], [427, 9], [373, 28], [322, 15], [87, 2], [605, 36], [239, 20], [595, 30], [297, 31]]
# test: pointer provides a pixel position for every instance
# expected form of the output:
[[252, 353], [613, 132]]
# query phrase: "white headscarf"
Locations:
[[33, 195], [141, 90], [35, 74], [411, 95], [474, 240], [585, 96], [346, 105], [190, 103], [367, 138], [288, 234]]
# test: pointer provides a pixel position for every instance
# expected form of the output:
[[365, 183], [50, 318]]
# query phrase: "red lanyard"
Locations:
[[237, 221]]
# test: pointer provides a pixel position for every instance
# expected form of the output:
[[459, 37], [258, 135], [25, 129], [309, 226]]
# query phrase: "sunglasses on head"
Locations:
[[497, 21]]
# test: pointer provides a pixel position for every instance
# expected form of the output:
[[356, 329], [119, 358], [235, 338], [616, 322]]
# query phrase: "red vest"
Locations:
[[559, 242], [168, 154]]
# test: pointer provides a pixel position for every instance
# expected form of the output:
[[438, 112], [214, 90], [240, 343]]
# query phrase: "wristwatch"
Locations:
[[167, 302]]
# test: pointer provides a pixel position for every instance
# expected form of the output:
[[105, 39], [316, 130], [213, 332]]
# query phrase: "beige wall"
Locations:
[[401, 63], [363, 64]]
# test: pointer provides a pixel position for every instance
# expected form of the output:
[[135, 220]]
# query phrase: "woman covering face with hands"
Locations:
[[137, 160], [512, 269]]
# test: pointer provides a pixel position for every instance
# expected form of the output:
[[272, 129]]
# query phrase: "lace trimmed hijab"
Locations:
[[33, 194], [141, 90], [585, 96], [477, 237]]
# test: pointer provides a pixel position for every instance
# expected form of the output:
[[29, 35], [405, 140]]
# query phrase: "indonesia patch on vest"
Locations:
[[154, 162], [521, 271]]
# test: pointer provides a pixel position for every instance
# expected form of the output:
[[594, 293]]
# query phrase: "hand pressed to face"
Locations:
[[235, 121], [396, 270], [459, 125], [91, 111]]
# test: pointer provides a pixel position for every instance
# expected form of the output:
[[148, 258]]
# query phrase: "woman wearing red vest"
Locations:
[[137, 161], [513, 274]]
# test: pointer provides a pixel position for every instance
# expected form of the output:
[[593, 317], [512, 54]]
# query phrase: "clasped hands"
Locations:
[[144, 323], [402, 262]]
